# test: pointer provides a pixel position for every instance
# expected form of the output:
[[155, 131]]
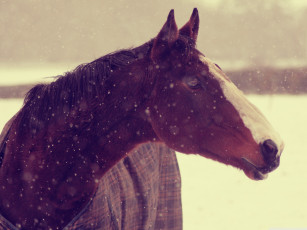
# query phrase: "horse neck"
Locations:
[[59, 169]]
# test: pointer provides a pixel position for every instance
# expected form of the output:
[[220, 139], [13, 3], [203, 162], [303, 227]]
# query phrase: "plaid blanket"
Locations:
[[141, 192]]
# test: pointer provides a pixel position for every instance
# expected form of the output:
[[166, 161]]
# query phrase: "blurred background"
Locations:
[[260, 44]]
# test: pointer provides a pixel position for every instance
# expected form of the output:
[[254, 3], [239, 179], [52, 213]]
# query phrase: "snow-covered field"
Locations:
[[25, 73], [219, 197]]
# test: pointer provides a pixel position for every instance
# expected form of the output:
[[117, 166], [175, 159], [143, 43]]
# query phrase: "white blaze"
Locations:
[[253, 119]]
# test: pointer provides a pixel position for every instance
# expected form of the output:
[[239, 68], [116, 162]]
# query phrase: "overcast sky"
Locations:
[[295, 4]]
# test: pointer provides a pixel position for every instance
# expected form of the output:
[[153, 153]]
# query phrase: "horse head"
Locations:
[[195, 108]]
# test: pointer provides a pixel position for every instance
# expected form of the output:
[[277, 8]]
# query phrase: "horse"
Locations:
[[71, 131]]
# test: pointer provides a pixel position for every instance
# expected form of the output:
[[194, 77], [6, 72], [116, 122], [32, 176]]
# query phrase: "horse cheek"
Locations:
[[183, 126]]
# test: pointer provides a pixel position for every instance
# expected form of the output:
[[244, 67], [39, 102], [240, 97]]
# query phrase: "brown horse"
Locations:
[[70, 132]]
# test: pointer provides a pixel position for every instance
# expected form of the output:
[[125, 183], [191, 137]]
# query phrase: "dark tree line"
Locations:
[[271, 80]]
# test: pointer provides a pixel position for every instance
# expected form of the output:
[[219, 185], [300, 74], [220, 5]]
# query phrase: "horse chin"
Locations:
[[255, 174], [252, 171]]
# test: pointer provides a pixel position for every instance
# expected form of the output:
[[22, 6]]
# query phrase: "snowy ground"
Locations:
[[26, 74], [219, 197]]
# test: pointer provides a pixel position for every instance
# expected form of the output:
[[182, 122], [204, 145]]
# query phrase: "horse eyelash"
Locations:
[[218, 66]]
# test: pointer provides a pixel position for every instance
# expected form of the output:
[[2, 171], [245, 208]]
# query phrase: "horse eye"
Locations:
[[194, 83]]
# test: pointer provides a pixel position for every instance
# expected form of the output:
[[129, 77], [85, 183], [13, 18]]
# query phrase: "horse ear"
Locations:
[[166, 37], [190, 29]]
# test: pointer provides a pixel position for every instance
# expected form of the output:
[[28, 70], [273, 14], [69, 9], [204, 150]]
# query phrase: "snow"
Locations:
[[220, 197], [8, 108], [12, 75]]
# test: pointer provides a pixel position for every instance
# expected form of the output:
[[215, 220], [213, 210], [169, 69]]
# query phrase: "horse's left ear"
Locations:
[[190, 29], [166, 37]]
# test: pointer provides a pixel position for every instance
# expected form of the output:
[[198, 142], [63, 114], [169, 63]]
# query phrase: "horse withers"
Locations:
[[70, 132]]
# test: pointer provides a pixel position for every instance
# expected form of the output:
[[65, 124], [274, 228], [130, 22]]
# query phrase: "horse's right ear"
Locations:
[[166, 37], [190, 29]]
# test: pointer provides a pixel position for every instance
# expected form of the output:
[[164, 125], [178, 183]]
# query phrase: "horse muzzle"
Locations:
[[271, 155]]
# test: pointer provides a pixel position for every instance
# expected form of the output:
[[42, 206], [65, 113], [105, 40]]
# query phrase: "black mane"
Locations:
[[84, 81], [45, 101]]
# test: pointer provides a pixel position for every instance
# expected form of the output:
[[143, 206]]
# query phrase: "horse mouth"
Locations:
[[258, 173]]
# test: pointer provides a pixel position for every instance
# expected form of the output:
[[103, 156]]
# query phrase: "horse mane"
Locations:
[[85, 82]]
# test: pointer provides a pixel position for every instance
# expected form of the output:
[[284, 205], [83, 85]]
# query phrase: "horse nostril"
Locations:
[[269, 150]]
